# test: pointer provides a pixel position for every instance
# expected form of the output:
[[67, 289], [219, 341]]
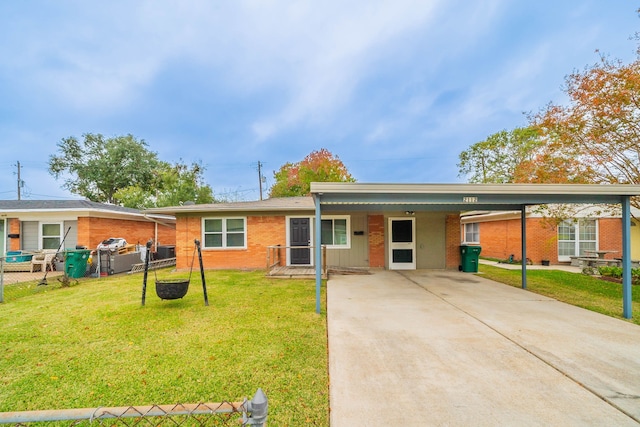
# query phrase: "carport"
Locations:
[[379, 197]]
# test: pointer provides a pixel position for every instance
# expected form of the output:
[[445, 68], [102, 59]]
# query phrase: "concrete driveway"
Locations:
[[448, 348]]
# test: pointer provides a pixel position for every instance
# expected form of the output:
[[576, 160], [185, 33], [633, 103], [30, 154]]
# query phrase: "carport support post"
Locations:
[[626, 257], [318, 252], [523, 221]]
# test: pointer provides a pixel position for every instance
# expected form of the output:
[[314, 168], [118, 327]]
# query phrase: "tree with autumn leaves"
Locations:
[[594, 138], [600, 127], [294, 179]]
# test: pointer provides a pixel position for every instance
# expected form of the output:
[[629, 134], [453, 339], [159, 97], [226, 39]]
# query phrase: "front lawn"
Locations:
[[93, 344], [576, 289]]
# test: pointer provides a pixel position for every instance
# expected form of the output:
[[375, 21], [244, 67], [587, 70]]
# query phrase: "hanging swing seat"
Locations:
[[172, 289], [168, 289]]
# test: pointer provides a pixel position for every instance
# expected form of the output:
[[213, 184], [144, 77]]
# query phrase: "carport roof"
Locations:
[[463, 197]]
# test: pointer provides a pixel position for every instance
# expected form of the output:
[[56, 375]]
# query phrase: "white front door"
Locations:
[[402, 244]]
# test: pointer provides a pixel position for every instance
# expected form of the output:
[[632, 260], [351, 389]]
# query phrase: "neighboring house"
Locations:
[[499, 235], [34, 225]]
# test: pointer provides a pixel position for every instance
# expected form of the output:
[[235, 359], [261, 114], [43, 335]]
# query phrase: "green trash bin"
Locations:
[[75, 263], [469, 256]]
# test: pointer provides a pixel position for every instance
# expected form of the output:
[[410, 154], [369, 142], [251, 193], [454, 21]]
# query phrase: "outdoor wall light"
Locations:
[[409, 212]]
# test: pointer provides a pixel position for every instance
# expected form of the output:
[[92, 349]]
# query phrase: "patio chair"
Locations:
[[44, 260]]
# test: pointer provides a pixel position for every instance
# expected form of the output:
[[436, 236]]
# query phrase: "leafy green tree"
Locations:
[[180, 183], [97, 167], [122, 170], [294, 179], [174, 185], [497, 158]]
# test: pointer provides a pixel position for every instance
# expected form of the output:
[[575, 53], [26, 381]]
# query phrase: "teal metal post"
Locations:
[[318, 252], [1, 280], [523, 221], [626, 257]]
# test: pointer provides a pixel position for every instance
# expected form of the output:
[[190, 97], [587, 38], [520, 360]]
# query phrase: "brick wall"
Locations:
[[376, 241], [499, 239], [262, 231], [14, 228], [92, 231], [610, 234], [452, 241], [542, 241]]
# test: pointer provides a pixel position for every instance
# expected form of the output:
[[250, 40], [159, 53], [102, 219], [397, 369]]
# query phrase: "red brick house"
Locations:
[[393, 226], [499, 234], [239, 235], [34, 225]]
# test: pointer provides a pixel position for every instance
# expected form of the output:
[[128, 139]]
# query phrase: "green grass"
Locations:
[[576, 289], [93, 344]]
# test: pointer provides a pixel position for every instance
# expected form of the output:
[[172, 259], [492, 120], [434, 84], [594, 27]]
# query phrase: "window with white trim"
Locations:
[[335, 232], [472, 232], [51, 235], [575, 237], [224, 233]]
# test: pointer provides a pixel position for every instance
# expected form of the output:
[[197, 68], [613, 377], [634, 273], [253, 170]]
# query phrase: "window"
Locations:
[[224, 233], [51, 235], [335, 232], [472, 233], [576, 237]]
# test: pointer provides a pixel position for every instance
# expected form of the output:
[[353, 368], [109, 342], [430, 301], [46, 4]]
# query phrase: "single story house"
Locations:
[[240, 235], [34, 225], [592, 230], [393, 226]]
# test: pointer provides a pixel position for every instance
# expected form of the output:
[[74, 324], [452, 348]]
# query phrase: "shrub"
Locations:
[[611, 271], [616, 272]]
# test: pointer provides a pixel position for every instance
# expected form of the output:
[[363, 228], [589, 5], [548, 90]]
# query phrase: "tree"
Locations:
[[122, 170], [173, 185], [98, 167], [600, 126], [294, 179], [496, 159]]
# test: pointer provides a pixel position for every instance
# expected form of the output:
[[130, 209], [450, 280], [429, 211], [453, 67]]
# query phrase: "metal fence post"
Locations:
[[1, 279], [259, 408]]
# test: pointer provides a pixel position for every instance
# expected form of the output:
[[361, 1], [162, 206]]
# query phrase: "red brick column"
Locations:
[[376, 241], [453, 240], [14, 228]]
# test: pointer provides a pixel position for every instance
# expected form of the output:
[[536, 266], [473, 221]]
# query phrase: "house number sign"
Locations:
[[470, 199]]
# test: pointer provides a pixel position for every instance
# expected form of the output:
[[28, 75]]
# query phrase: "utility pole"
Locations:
[[260, 177], [19, 180]]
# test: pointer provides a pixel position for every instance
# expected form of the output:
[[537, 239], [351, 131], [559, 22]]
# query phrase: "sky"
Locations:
[[396, 89]]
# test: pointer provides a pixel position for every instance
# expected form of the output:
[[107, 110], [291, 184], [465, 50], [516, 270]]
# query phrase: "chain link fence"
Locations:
[[28, 273], [247, 413]]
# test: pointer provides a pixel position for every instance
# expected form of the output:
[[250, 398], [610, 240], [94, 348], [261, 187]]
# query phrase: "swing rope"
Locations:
[[193, 257]]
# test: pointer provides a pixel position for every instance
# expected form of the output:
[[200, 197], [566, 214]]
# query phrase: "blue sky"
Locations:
[[396, 89]]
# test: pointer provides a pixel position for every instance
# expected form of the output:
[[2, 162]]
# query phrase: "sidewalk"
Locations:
[[506, 266]]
